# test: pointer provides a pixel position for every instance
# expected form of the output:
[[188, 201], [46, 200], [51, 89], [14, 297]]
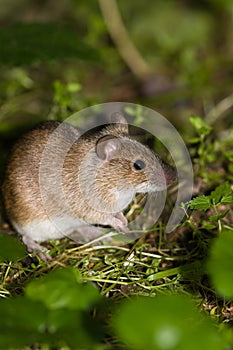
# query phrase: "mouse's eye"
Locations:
[[139, 165]]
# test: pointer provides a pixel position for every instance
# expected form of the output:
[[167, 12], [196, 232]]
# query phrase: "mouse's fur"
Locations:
[[57, 180]]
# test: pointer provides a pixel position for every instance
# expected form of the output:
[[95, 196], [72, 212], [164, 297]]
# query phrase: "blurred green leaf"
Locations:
[[22, 322], [54, 310], [200, 126], [208, 226], [165, 322], [63, 288], [10, 248], [75, 328], [32, 43], [25, 322], [220, 264], [194, 140]]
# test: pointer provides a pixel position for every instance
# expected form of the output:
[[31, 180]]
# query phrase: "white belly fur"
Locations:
[[56, 228]]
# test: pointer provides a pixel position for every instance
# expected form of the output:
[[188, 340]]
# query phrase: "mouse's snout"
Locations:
[[170, 174]]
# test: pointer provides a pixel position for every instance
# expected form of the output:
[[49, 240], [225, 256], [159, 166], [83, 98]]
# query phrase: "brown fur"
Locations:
[[22, 188]]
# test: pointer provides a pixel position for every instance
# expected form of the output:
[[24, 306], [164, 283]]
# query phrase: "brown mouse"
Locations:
[[58, 181]]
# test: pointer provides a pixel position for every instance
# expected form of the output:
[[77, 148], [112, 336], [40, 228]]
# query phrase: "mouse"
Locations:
[[59, 181]]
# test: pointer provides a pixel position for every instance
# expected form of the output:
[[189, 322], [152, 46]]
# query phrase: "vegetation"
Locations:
[[166, 290]]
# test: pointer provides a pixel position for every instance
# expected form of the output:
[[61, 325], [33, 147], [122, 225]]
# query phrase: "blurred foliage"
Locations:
[[169, 322], [11, 248], [34, 43], [187, 44], [220, 264], [62, 310], [55, 321], [191, 40]]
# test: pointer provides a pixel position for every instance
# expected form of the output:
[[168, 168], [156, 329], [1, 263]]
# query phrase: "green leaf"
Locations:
[[208, 226], [229, 155], [220, 264], [63, 288], [165, 323], [25, 322], [222, 194], [22, 322], [54, 310], [200, 126], [32, 43], [201, 203], [217, 217], [230, 167], [76, 329], [194, 140], [10, 248]]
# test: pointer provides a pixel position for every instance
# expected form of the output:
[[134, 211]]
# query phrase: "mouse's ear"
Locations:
[[107, 147], [120, 123]]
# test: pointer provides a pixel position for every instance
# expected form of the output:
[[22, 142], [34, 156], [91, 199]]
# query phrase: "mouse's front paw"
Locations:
[[120, 223]]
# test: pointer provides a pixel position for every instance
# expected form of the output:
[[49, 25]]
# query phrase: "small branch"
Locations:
[[219, 110], [120, 36]]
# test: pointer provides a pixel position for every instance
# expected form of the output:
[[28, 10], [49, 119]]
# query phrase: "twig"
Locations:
[[120, 36], [219, 110]]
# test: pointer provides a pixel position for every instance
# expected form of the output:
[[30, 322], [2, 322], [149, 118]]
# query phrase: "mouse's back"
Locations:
[[21, 192]]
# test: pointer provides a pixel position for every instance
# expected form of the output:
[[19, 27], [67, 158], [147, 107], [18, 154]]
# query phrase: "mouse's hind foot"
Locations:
[[36, 248]]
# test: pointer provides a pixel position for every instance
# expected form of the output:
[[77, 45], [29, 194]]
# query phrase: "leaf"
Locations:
[[22, 322], [220, 264], [222, 194], [217, 217], [54, 310], [200, 126], [194, 140], [10, 248], [201, 203], [165, 322], [76, 329], [62, 288], [208, 226], [25, 322], [32, 43]]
